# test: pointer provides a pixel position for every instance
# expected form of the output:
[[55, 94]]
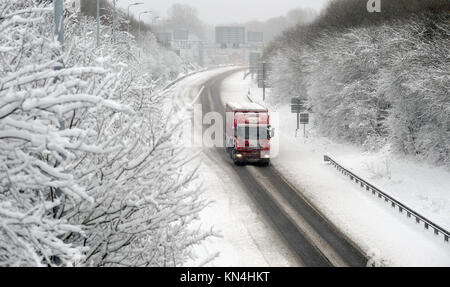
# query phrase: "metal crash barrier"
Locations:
[[428, 224]]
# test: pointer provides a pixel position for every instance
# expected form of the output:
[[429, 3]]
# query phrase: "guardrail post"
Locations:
[[394, 203]]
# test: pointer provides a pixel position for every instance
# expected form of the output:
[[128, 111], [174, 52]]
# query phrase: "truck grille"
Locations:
[[254, 154]]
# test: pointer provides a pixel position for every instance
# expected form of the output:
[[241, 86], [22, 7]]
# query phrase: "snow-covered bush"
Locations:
[[38, 93], [91, 169], [376, 85], [288, 75], [416, 82], [343, 81]]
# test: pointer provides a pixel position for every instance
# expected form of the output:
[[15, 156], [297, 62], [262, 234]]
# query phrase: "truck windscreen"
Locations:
[[246, 132]]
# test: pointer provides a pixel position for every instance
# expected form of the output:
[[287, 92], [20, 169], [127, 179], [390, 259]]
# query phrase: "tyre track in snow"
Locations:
[[313, 239]]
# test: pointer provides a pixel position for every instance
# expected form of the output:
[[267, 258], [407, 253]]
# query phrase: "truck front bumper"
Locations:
[[252, 155]]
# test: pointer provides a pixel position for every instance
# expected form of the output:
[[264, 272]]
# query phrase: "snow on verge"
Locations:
[[387, 237]]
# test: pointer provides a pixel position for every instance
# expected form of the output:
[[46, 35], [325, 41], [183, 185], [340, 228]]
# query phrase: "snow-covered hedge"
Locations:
[[375, 85], [91, 168]]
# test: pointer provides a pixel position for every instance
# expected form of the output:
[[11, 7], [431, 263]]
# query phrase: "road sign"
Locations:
[[297, 101], [230, 35], [297, 105], [254, 59], [304, 118], [264, 70], [295, 109]]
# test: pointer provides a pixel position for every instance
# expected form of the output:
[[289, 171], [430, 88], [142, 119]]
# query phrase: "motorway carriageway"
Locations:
[[310, 236]]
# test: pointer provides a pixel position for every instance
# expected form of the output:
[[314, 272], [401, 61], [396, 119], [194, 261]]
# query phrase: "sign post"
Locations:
[[298, 107], [264, 80], [304, 119], [263, 71], [253, 62], [98, 24], [58, 6]]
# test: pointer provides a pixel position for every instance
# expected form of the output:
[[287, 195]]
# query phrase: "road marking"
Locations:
[[198, 96], [213, 156], [286, 208], [312, 236], [320, 214]]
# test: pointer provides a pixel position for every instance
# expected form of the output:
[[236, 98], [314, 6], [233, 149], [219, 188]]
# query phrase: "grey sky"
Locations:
[[227, 11]]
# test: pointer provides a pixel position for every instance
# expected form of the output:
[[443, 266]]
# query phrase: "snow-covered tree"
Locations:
[[38, 95], [91, 168], [373, 85], [343, 83], [417, 83], [288, 77]]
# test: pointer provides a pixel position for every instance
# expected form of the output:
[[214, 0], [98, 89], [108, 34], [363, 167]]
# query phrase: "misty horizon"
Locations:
[[215, 12]]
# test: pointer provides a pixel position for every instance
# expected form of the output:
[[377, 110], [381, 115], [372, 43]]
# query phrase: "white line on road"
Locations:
[[311, 235]]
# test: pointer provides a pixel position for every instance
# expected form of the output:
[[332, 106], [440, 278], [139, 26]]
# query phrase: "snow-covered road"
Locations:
[[311, 238], [248, 238], [251, 235], [388, 237]]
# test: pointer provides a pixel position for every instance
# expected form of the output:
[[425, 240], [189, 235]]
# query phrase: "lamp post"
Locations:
[[144, 12], [128, 14], [155, 19], [98, 23], [114, 22], [58, 6]]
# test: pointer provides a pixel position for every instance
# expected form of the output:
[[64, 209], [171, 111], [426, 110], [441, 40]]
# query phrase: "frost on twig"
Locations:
[[91, 171]]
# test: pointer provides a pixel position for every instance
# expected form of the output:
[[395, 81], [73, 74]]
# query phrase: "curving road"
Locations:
[[313, 239]]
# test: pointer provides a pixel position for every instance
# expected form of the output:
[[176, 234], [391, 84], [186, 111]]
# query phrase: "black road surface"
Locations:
[[307, 251]]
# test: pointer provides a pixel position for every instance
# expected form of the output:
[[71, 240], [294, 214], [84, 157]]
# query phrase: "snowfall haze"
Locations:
[[231, 11], [224, 133]]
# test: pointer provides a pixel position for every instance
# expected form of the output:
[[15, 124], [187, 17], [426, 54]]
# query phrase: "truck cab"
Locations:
[[248, 133]]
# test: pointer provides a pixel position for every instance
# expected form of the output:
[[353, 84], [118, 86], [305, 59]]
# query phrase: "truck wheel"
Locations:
[[265, 162]]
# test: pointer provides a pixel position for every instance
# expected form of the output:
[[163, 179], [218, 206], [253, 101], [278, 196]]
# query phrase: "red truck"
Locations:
[[248, 133]]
